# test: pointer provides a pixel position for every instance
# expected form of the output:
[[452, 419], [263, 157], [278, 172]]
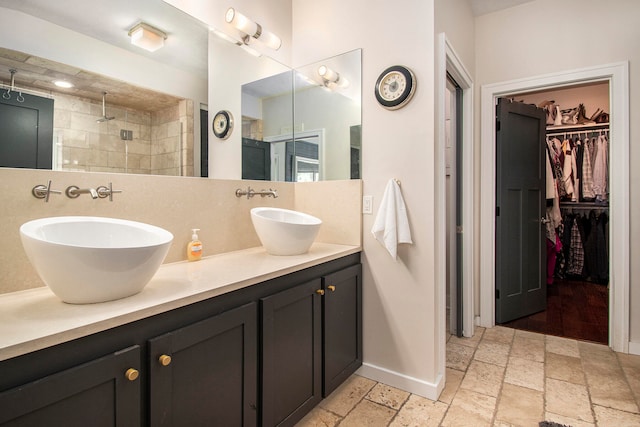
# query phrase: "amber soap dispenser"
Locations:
[[194, 248]]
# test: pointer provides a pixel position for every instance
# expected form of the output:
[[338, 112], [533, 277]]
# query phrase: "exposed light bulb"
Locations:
[[252, 28]]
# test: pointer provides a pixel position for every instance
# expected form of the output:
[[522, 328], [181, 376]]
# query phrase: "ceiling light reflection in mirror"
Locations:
[[324, 140]]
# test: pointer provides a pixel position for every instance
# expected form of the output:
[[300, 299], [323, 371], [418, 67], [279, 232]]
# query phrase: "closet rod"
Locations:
[[583, 205]]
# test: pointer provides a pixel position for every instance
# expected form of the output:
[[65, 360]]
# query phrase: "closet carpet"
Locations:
[[575, 309]]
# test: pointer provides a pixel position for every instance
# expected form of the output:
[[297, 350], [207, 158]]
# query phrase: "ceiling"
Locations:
[[482, 7], [109, 21]]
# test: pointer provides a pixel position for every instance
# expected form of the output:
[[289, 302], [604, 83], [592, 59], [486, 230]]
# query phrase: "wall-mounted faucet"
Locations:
[[250, 192], [73, 191], [101, 192]]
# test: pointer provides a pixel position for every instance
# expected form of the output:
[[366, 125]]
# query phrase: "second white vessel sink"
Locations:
[[87, 259], [283, 231]]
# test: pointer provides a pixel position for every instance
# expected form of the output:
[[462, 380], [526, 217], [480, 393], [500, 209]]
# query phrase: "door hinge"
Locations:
[[497, 125], [497, 210], [497, 293]]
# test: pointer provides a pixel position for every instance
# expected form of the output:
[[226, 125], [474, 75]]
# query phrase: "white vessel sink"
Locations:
[[87, 259], [283, 231]]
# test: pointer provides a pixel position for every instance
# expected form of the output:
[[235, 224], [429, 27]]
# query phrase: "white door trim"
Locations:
[[447, 60], [618, 76]]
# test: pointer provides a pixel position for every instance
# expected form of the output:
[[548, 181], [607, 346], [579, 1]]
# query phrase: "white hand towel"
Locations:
[[392, 225]]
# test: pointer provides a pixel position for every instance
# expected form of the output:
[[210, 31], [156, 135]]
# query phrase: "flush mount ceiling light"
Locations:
[[147, 37], [252, 29]]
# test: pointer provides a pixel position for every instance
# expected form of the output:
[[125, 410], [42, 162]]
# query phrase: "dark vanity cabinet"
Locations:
[[342, 326], [206, 373], [311, 343], [262, 355], [102, 392], [291, 353]]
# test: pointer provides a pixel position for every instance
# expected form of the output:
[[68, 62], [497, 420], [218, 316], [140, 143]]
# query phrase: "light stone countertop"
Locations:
[[34, 319]]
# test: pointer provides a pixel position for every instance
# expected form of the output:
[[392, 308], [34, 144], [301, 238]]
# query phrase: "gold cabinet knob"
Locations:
[[131, 374], [164, 360], [320, 292], [331, 288]]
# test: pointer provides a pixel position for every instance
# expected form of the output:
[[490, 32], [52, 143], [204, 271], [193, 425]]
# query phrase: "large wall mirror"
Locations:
[[304, 124], [146, 123]]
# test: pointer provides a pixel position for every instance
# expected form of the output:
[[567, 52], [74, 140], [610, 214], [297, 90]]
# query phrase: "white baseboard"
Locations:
[[634, 348], [394, 379]]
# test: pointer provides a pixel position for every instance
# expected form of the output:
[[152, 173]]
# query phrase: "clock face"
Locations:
[[395, 87], [222, 124], [392, 86]]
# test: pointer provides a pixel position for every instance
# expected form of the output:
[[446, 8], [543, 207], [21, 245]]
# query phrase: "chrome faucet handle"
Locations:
[[104, 191], [249, 193], [43, 191]]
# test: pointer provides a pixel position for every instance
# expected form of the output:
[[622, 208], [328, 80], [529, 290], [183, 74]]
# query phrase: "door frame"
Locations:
[[447, 60], [617, 74]]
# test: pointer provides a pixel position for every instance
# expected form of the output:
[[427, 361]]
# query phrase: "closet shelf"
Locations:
[[577, 128]]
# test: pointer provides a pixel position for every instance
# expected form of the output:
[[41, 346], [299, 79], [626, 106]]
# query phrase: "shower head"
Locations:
[[104, 117]]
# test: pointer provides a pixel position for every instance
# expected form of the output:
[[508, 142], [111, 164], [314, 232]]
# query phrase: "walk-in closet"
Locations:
[[577, 219]]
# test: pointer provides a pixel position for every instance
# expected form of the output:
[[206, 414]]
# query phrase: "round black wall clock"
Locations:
[[222, 124], [395, 87]]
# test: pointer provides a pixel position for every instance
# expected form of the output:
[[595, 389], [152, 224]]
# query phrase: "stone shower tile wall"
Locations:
[[162, 141], [172, 140], [83, 144]]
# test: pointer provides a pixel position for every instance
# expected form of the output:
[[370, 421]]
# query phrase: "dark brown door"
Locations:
[[26, 139], [520, 206], [256, 159]]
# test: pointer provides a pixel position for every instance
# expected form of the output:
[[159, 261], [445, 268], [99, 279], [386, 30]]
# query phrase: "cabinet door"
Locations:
[[342, 332], [205, 374], [291, 346], [103, 392]]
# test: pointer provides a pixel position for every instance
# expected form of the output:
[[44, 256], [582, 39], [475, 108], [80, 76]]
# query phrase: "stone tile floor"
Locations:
[[501, 377]]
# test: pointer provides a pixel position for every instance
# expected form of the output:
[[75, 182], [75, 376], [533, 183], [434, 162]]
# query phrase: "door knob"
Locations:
[[331, 288], [131, 374], [544, 220], [320, 292], [164, 360]]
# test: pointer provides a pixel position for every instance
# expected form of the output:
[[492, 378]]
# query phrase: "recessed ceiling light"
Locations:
[[63, 83]]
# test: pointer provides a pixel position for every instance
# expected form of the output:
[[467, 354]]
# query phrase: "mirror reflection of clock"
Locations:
[[222, 124]]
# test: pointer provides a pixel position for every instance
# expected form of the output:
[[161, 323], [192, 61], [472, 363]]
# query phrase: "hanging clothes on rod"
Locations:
[[585, 251]]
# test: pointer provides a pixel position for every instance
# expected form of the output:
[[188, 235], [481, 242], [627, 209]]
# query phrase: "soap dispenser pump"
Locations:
[[194, 248]]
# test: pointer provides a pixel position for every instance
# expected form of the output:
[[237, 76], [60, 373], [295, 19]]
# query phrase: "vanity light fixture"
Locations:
[[252, 29], [230, 39], [147, 37], [331, 78]]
